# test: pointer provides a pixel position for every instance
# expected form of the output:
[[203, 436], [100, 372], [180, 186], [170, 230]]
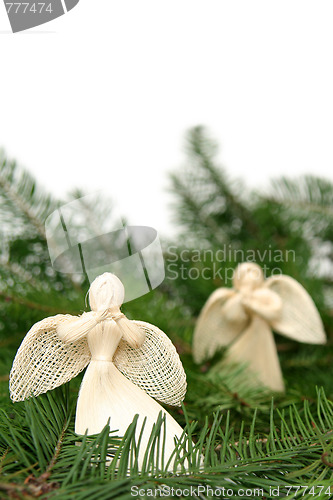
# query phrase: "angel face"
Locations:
[[248, 276], [106, 292]]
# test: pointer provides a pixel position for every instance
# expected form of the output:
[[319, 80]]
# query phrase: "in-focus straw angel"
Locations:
[[244, 316], [129, 363]]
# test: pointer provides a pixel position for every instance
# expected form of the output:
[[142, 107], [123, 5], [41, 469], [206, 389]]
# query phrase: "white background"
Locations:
[[102, 97]]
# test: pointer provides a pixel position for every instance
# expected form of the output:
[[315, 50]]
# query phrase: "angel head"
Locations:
[[106, 292], [248, 276], [245, 315]]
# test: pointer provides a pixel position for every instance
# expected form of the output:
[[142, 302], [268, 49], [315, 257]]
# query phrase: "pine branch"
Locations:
[[19, 192], [30, 304], [194, 214], [207, 201], [308, 192], [297, 447]]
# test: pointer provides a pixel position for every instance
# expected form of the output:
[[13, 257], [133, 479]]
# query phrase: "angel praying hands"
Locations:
[[129, 363], [245, 315]]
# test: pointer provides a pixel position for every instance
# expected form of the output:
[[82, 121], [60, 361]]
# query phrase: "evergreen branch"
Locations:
[[205, 150], [207, 201], [32, 488], [189, 203], [310, 193], [27, 303], [297, 446], [57, 448], [19, 188]]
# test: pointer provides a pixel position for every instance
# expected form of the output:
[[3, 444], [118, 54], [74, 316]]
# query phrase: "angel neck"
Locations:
[[103, 340]]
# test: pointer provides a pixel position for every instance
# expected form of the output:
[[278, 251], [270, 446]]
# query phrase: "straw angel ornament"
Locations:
[[129, 363], [245, 315]]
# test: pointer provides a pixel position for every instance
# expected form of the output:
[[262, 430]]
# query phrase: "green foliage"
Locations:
[[238, 435], [41, 455]]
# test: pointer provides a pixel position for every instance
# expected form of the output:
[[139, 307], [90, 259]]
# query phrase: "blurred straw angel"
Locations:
[[129, 362], [245, 315]]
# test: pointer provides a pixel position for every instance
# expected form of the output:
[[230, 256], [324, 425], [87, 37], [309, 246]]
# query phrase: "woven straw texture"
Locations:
[[43, 362], [155, 367]]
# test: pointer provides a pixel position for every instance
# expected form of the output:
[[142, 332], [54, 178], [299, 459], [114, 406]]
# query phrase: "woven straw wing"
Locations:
[[155, 367], [221, 320], [44, 362], [300, 318]]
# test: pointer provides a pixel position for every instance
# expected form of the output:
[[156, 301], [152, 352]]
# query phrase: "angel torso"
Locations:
[[103, 340]]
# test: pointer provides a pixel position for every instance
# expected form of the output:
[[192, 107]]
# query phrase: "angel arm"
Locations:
[[75, 328], [265, 303], [131, 333]]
